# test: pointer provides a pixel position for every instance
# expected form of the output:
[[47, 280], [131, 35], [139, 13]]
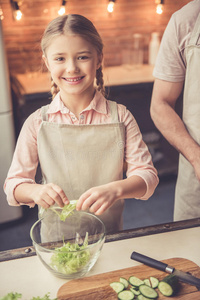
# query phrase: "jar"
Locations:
[[137, 51], [154, 46]]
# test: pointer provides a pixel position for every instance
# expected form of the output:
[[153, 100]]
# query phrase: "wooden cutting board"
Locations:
[[97, 287]]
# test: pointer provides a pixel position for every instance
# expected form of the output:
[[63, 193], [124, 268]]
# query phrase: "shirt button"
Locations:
[[82, 117]]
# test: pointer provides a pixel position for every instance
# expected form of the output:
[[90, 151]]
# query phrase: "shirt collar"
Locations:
[[98, 104], [57, 105]]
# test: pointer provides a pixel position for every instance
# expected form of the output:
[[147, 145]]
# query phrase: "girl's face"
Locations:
[[72, 62]]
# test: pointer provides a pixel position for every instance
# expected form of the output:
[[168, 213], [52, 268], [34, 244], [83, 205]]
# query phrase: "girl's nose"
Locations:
[[71, 66]]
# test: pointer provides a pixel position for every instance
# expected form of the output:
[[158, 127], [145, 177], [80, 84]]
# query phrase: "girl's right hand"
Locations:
[[47, 195]]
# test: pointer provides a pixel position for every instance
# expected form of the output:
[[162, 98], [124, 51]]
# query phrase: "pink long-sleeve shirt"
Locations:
[[25, 160]]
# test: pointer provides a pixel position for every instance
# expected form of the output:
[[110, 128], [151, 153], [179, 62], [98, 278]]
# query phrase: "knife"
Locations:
[[184, 277]]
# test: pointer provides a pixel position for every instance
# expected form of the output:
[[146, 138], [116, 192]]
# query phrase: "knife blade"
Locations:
[[184, 277]]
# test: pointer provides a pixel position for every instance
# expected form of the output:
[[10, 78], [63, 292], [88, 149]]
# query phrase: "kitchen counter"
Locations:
[[113, 76], [28, 276]]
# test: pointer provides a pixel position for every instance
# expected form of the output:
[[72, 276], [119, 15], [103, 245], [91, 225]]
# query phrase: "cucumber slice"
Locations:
[[135, 281], [148, 291], [154, 282], [141, 297], [117, 286], [169, 285], [126, 295], [124, 281], [134, 291], [147, 282]]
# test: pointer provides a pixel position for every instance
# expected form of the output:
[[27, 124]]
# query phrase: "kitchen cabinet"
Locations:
[[137, 98]]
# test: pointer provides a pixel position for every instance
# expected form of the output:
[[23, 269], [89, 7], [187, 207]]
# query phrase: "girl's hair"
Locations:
[[75, 24]]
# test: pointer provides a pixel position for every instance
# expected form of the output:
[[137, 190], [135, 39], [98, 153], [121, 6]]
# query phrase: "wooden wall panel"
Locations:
[[22, 38]]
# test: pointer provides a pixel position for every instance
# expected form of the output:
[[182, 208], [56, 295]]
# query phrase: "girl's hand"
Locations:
[[48, 194], [97, 199]]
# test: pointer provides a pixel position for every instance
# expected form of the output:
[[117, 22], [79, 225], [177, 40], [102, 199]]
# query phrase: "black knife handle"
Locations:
[[149, 261]]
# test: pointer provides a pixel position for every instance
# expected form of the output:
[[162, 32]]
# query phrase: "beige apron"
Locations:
[[78, 157], [187, 195]]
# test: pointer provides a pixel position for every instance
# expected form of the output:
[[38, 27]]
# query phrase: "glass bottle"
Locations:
[[154, 47], [137, 52]]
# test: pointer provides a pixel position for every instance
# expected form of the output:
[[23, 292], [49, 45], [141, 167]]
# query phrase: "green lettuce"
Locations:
[[46, 297], [70, 258], [63, 213], [16, 296], [11, 296]]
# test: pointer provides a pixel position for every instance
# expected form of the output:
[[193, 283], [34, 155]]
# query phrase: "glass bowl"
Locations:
[[70, 248]]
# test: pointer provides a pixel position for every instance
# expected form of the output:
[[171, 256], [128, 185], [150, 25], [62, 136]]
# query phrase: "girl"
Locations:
[[80, 139]]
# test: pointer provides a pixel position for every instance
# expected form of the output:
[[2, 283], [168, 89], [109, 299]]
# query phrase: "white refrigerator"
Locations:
[[7, 135]]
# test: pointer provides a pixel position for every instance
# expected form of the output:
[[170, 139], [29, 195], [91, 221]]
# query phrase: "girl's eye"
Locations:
[[59, 59], [83, 57]]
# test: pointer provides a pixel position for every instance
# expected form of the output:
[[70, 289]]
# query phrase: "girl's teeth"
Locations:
[[73, 80]]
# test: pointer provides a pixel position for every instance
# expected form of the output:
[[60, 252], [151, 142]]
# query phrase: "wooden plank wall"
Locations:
[[22, 38]]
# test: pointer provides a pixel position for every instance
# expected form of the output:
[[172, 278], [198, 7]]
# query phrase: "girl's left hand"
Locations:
[[97, 199]]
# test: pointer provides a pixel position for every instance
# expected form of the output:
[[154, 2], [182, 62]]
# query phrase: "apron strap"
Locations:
[[195, 33], [44, 112], [113, 111]]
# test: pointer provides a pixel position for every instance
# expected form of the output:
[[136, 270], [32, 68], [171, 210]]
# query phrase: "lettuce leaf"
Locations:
[[46, 297], [11, 296], [70, 258], [63, 213], [16, 296], [68, 210]]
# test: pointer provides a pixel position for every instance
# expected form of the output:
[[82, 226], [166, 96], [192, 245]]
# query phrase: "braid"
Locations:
[[54, 89], [100, 81]]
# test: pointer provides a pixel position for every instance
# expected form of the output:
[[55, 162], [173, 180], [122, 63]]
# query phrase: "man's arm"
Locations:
[[164, 97]]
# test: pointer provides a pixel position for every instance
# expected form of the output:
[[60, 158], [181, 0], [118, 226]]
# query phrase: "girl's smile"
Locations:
[[73, 62], [73, 80]]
